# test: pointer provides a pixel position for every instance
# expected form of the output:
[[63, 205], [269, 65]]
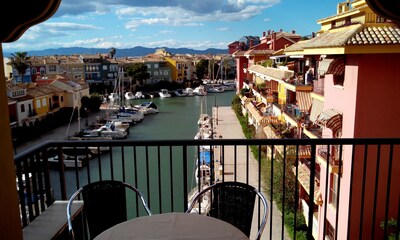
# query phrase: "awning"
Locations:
[[304, 179], [303, 100], [259, 105], [254, 112], [333, 66], [331, 119], [316, 108]]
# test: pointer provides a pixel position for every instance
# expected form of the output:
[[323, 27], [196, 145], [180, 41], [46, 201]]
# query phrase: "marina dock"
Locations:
[[227, 125]]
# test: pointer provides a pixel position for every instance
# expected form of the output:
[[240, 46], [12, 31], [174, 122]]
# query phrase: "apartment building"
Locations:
[[344, 88]]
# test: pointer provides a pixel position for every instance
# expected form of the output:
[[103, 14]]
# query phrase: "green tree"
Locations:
[[95, 101], [19, 62], [138, 72], [201, 68]]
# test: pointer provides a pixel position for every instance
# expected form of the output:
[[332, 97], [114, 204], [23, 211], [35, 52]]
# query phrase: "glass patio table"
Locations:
[[173, 226]]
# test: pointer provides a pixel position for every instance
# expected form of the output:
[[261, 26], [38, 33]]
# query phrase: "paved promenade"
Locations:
[[227, 125]]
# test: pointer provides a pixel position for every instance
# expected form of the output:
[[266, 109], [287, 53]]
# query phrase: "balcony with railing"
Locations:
[[164, 171], [330, 154]]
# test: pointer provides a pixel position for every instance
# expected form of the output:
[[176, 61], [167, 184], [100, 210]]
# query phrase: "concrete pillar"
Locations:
[[10, 223]]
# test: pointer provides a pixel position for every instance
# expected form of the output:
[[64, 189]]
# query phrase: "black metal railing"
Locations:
[[366, 184]]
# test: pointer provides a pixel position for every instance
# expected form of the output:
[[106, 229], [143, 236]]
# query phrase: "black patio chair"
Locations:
[[232, 202], [104, 205]]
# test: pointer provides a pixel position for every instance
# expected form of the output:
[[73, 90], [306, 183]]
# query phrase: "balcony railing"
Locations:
[[368, 186]]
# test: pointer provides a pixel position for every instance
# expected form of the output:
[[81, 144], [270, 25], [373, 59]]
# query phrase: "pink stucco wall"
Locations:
[[241, 63], [368, 101]]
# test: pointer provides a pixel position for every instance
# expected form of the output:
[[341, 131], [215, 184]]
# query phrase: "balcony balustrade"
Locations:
[[165, 172]]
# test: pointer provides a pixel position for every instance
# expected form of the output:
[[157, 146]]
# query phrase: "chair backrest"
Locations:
[[104, 205], [232, 202]]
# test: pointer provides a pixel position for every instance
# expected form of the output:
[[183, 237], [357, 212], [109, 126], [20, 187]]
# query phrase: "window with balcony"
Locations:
[[52, 68], [333, 191]]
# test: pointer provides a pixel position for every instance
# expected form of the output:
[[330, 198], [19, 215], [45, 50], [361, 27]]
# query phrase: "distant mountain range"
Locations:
[[128, 52]]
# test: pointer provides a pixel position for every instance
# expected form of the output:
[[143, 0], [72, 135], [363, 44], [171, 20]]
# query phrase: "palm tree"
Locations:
[[19, 62], [227, 68], [112, 52]]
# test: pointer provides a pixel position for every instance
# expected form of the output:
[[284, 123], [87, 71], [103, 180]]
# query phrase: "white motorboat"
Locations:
[[129, 96], [107, 130], [200, 91], [147, 107], [130, 115], [216, 89], [121, 125], [139, 94], [164, 93], [180, 93], [205, 130], [229, 85], [189, 91]]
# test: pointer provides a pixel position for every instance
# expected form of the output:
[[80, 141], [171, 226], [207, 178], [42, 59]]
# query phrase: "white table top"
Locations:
[[173, 226]]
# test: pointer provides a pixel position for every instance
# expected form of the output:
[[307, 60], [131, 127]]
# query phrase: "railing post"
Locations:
[[311, 199], [63, 186]]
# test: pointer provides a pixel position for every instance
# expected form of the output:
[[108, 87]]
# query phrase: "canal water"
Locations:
[[177, 119], [178, 116]]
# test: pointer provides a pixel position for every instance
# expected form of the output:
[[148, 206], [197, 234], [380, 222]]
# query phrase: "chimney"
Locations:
[[263, 34], [313, 34], [269, 32], [293, 32], [280, 30]]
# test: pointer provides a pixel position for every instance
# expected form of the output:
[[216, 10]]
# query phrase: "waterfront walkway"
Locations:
[[227, 125]]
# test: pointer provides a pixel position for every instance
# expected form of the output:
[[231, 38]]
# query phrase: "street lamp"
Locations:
[[216, 109], [14, 141], [86, 114]]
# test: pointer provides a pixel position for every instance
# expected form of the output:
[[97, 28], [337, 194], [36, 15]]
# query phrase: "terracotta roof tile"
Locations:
[[239, 53], [366, 34], [254, 52], [371, 35]]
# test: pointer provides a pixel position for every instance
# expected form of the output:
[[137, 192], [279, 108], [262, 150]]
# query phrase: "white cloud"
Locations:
[[81, 43], [176, 16], [67, 26], [78, 7]]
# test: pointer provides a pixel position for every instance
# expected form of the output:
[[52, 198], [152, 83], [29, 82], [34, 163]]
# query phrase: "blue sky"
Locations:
[[196, 24]]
